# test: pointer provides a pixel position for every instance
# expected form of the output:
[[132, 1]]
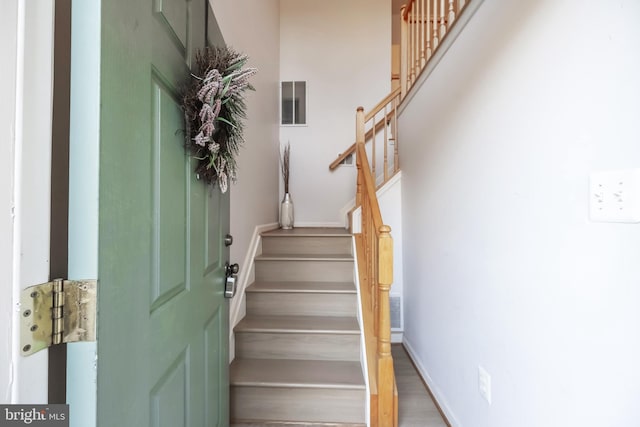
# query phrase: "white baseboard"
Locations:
[[344, 211], [435, 391], [232, 347], [396, 337]]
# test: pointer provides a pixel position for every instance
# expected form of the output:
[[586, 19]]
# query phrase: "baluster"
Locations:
[[411, 41], [411, 62], [461, 4], [385, 373], [416, 4], [414, 42], [373, 149], [359, 139], [404, 50], [410, 45], [428, 29], [368, 252], [420, 58], [374, 288], [434, 24], [386, 143], [443, 27], [452, 14], [359, 182], [396, 159]]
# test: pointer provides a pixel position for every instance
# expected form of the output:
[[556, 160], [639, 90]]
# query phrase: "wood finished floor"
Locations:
[[415, 407]]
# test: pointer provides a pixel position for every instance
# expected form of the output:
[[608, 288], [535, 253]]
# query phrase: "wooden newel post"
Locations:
[[386, 376], [404, 51], [360, 125]]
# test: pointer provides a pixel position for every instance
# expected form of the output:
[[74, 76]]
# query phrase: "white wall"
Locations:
[[26, 49], [252, 27], [8, 50], [502, 266], [341, 48]]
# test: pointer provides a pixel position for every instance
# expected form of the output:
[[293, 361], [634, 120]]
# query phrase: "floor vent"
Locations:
[[395, 303]]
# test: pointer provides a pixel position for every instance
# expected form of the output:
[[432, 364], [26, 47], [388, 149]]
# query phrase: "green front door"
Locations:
[[162, 350]]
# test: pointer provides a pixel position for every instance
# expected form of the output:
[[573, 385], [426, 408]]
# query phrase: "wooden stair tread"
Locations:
[[299, 324], [303, 287], [298, 348], [297, 373], [309, 232], [305, 257]]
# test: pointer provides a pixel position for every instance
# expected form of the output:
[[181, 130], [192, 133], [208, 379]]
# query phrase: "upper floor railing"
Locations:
[[424, 24]]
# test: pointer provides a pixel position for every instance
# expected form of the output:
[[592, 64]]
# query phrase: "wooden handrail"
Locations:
[[380, 105], [405, 9], [370, 187], [374, 247], [369, 134], [377, 124], [367, 137]]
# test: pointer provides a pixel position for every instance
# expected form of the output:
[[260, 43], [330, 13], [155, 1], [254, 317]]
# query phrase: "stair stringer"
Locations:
[[363, 348]]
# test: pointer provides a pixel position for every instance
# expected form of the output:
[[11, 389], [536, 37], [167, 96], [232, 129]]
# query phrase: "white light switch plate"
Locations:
[[614, 196]]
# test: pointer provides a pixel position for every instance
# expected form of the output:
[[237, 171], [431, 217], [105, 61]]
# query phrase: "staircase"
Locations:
[[298, 348]]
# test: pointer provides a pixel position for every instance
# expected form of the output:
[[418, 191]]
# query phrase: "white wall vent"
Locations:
[[348, 161]]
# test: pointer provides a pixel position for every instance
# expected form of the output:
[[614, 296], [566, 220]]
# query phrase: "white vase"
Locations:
[[286, 213]]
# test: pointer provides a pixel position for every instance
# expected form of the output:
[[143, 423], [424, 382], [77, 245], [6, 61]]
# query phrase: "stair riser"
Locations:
[[292, 271], [290, 404], [266, 423], [301, 346], [300, 304], [306, 245]]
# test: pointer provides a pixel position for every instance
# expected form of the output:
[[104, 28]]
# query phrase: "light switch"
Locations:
[[614, 196]]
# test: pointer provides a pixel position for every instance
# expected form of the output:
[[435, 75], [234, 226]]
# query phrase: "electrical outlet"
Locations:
[[484, 384], [615, 196]]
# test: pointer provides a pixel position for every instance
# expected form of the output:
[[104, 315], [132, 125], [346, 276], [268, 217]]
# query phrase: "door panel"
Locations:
[[163, 322]]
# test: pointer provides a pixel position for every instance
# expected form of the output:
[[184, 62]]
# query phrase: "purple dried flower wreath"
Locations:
[[214, 110]]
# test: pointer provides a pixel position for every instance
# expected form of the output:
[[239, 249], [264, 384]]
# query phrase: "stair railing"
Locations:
[[424, 24], [374, 247], [381, 130]]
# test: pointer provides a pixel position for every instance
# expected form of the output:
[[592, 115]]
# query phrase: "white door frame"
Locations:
[[26, 95]]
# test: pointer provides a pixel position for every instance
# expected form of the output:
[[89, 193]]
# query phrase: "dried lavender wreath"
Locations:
[[214, 110]]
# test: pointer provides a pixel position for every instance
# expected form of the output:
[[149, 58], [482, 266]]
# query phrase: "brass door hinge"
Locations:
[[57, 312]]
